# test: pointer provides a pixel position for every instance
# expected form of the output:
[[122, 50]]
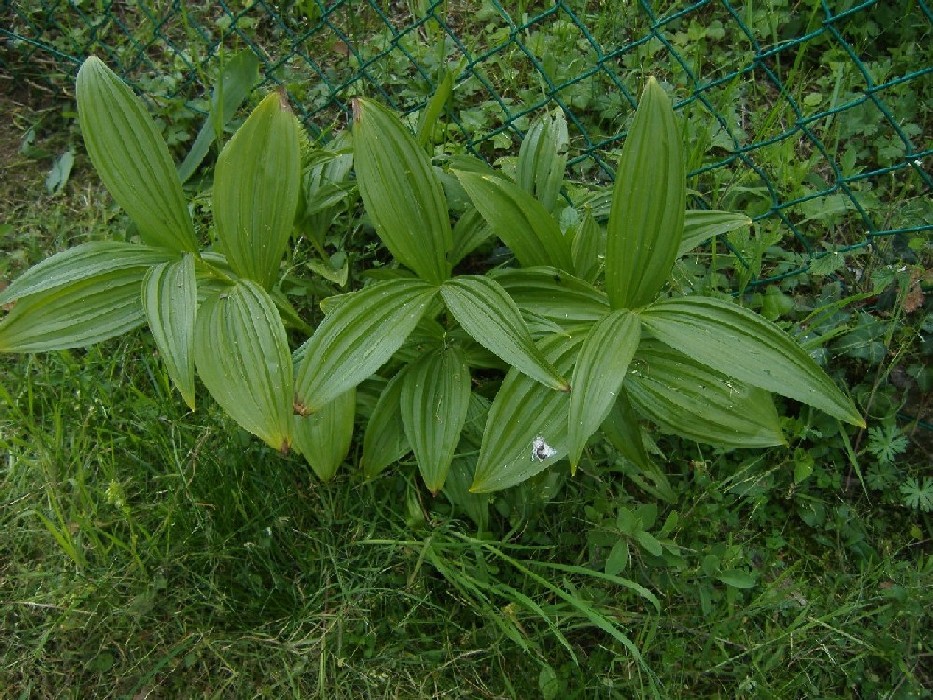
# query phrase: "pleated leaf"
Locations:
[[359, 336], [434, 401], [433, 110], [470, 232], [84, 261], [457, 490], [233, 86], [75, 314], [256, 186], [523, 411], [682, 396], [170, 301], [242, 356], [323, 438], [597, 376], [131, 158], [402, 196], [701, 225], [487, 313], [743, 345], [552, 294], [520, 220], [646, 218], [621, 428], [384, 440], [542, 159], [585, 248]]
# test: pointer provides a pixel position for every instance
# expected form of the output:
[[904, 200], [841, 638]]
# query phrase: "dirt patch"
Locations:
[[22, 173]]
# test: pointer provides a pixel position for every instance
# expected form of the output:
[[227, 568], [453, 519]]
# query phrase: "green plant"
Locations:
[[147, 549], [917, 495], [698, 366], [671, 365]]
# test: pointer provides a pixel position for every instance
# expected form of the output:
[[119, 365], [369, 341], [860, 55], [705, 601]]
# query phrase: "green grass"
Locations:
[[146, 551], [149, 550], [157, 549]]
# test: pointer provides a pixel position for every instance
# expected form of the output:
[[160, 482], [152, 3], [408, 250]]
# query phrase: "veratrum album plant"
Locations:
[[582, 328]]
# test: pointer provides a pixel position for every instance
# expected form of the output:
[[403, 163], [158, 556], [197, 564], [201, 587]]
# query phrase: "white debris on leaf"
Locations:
[[540, 450]]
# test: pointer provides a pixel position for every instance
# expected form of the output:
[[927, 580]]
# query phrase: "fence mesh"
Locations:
[[813, 116]]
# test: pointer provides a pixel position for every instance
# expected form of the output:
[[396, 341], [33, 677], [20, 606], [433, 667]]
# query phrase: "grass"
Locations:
[[149, 551], [146, 551], [179, 558]]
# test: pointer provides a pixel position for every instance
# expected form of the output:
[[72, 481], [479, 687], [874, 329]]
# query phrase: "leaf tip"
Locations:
[[90, 62], [284, 104]]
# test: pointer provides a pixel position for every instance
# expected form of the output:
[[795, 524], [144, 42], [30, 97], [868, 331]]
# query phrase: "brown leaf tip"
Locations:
[[284, 104]]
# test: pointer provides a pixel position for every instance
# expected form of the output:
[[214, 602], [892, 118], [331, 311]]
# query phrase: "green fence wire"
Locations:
[[811, 116]]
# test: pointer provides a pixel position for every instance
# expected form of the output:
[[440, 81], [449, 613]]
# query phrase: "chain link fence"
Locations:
[[811, 116]]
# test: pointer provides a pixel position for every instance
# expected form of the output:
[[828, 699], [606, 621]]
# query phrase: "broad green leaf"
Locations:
[[542, 158], [335, 269], [621, 428], [553, 294], [326, 189], [289, 314], [131, 158], [597, 376], [618, 558], [457, 490], [323, 438], [256, 187], [434, 401], [84, 261], [470, 232], [540, 325], [402, 196], [241, 354], [473, 428], [233, 86], [648, 542], [803, 465], [520, 220], [170, 301], [359, 336], [433, 109], [743, 345], [75, 314], [427, 336], [682, 396], [490, 317], [585, 248], [737, 578], [523, 411], [701, 225], [384, 440], [58, 176], [367, 394], [646, 219]]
